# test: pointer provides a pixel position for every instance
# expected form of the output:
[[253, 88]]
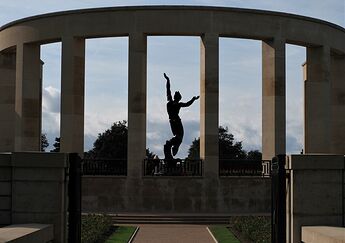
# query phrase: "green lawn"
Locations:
[[223, 235], [121, 235]]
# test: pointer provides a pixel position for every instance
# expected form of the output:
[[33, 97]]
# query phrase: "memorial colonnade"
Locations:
[[20, 75]]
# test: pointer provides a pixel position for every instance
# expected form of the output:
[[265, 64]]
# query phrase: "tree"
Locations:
[[149, 154], [44, 142], [254, 155], [112, 143], [228, 147], [56, 145], [194, 149]]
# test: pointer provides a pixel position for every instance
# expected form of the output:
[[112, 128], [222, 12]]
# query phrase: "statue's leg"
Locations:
[[178, 137], [167, 150], [176, 145], [169, 143]]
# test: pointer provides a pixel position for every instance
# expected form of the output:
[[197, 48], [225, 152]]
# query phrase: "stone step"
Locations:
[[169, 219]]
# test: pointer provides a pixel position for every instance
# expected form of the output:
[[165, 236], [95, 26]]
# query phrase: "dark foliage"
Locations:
[[254, 155], [255, 228], [112, 144], [44, 142], [228, 147], [56, 145], [149, 154], [194, 149], [95, 228]]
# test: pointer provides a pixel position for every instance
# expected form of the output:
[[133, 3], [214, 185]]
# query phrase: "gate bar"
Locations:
[[278, 196], [74, 197]]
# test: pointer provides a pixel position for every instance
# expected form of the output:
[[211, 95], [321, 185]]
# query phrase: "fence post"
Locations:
[[74, 196], [278, 207]]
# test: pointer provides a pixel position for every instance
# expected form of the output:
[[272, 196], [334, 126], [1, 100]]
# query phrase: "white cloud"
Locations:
[[51, 100], [51, 114]]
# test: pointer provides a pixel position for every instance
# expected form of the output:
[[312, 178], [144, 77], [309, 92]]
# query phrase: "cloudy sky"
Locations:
[[240, 73]]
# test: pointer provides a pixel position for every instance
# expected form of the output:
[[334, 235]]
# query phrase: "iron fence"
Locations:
[[174, 167], [105, 167], [177, 167], [74, 198], [243, 167], [266, 168]]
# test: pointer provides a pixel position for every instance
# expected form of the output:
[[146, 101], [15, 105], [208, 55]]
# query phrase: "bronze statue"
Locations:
[[173, 108]]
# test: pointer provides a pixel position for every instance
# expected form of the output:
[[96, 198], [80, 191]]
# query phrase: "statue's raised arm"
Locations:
[[169, 97], [189, 102]]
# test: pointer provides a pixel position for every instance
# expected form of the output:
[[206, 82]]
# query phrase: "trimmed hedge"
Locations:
[[95, 228], [255, 228]]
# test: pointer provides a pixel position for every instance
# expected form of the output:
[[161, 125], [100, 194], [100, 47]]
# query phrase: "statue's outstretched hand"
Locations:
[[165, 76], [196, 97]]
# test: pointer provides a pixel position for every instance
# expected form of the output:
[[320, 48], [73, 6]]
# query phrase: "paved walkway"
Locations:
[[168, 233]]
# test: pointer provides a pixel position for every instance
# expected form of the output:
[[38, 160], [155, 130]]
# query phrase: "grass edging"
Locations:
[[122, 234], [209, 231], [222, 234], [133, 235]]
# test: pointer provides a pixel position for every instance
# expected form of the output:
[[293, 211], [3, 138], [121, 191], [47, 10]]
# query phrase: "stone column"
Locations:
[[317, 110], [7, 99], [209, 94], [136, 103], [27, 101], [72, 95], [338, 104], [273, 98]]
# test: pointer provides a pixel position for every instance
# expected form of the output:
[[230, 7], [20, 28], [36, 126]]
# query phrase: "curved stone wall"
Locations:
[[173, 20]]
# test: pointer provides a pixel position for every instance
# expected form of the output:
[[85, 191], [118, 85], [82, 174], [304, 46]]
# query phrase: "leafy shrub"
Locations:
[[95, 228], [255, 228]]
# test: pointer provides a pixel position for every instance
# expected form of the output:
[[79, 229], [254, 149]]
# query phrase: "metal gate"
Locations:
[[278, 197], [74, 198]]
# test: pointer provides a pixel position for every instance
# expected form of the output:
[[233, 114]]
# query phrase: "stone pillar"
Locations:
[[5, 189], [7, 100], [72, 95], [338, 104], [39, 190], [273, 98], [315, 195], [317, 109], [209, 94], [27, 101], [136, 103], [41, 97]]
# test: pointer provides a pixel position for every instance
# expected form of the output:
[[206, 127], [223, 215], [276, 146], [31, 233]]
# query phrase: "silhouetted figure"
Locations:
[[173, 108]]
